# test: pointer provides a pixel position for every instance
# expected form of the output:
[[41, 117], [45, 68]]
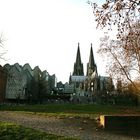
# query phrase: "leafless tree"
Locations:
[[123, 55], [2, 50], [124, 52], [121, 13]]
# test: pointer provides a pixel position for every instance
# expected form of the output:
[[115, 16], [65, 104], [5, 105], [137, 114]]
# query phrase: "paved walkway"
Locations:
[[85, 129]]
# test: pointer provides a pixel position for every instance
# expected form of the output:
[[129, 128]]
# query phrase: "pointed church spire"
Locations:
[[91, 58], [78, 57], [91, 66], [78, 65]]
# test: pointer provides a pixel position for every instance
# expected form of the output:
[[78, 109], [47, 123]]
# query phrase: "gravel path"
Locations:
[[85, 129]]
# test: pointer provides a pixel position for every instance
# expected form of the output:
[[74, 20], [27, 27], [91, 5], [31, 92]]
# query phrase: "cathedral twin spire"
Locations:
[[78, 57], [91, 66], [78, 65], [91, 63]]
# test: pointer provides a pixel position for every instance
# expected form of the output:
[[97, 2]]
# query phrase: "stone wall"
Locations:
[[129, 123]]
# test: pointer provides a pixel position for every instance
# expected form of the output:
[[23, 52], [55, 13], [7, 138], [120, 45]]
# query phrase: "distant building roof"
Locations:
[[78, 78], [104, 78]]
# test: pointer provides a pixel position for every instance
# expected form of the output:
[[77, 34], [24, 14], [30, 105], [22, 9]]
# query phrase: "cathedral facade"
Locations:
[[91, 83]]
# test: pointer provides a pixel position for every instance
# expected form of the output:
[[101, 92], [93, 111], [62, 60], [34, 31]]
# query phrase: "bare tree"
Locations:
[[121, 13], [123, 56], [2, 50], [124, 52]]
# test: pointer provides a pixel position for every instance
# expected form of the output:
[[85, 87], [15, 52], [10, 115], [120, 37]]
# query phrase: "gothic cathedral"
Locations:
[[84, 83]]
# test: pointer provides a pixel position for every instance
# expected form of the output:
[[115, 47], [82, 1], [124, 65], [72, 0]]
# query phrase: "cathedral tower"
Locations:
[[91, 66], [78, 65]]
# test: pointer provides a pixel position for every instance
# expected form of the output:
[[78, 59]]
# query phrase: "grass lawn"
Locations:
[[80, 109], [11, 131]]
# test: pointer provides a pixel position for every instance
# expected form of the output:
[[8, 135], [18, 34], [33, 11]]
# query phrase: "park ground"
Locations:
[[64, 121]]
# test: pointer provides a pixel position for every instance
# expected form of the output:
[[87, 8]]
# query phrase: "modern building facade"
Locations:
[[24, 83], [18, 80]]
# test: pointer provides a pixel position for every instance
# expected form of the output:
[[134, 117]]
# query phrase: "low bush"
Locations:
[[11, 131]]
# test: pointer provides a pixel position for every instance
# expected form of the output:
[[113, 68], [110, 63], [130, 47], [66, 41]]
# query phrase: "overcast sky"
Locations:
[[46, 33]]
